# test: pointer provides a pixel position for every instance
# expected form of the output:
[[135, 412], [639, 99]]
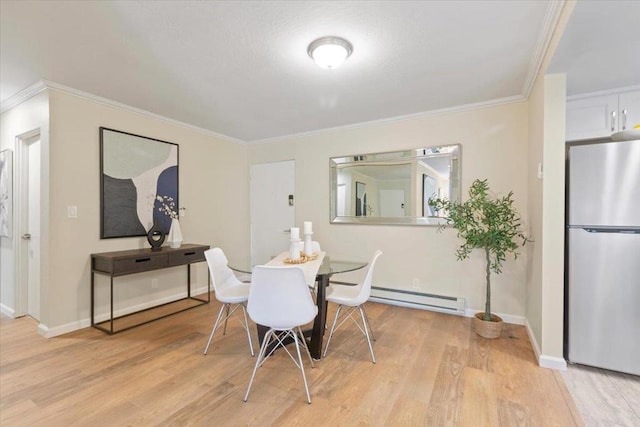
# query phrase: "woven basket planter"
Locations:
[[487, 328]]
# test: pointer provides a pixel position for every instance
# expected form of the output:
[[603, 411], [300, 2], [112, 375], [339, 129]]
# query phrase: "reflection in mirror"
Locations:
[[394, 188]]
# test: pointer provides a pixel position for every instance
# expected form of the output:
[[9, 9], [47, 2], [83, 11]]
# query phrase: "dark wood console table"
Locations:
[[121, 263]]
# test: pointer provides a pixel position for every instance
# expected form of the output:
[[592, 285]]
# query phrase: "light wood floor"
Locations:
[[604, 398], [432, 369]]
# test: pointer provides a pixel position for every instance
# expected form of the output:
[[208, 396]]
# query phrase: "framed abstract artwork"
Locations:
[[6, 176], [138, 184]]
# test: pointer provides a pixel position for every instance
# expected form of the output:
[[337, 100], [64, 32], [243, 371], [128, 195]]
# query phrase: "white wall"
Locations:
[[213, 187], [534, 208], [553, 201], [30, 115], [494, 146]]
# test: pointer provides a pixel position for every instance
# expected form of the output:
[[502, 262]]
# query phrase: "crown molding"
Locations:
[[423, 114], [111, 103], [551, 18], [38, 87], [41, 85], [22, 96]]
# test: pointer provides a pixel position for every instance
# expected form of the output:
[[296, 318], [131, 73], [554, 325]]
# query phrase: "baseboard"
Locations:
[[85, 323], [550, 362], [532, 340], [407, 304], [8, 311], [506, 318], [62, 329]]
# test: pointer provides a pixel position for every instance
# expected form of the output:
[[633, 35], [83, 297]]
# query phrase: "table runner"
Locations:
[[309, 268]]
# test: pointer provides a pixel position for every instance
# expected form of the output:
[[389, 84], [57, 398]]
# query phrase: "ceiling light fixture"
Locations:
[[329, 52]]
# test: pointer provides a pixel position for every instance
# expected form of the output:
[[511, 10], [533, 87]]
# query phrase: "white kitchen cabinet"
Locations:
[[629, 107], [599, 116]]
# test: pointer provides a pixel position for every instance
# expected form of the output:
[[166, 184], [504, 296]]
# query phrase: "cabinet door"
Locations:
[[593, 117], [629, 107]]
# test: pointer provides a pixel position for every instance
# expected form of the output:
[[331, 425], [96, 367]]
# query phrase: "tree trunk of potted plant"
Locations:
[[487, 325]]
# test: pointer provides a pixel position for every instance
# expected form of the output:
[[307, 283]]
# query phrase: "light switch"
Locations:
[[72, 211], [540, 172]]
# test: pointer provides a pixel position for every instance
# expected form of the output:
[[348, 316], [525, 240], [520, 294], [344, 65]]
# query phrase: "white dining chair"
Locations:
[[353, 297], [280, 300], [229, 290]]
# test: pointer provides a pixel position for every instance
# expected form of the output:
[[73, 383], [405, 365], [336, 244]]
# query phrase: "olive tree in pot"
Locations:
[[488, 223]]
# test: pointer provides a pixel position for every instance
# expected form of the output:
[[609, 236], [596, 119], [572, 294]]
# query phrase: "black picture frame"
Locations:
[[139, 184], [361, 199]]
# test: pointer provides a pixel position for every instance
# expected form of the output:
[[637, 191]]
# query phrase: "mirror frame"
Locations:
[[454, 151]]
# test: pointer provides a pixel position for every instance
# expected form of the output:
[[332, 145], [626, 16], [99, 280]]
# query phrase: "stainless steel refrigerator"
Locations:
[[603, 255]]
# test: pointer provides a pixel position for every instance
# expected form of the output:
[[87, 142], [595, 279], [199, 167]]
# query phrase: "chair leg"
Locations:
[[224, 331], [368, 324], [304, 377], [364, 321], [306, 347], [365, 329], [226, 309], [246, 325], [333, 328], [261, 354], [215, 326]]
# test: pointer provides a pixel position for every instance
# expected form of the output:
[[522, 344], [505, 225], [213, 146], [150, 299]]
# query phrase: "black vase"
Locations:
[[155, 237]]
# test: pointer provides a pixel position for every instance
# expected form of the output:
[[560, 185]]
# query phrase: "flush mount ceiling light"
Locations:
[[329, 52]]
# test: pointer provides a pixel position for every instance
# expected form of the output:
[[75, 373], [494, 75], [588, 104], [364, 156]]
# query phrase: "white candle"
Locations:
[[307, 227], [295, 233]]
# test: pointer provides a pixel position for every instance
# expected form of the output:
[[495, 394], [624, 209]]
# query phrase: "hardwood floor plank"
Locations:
[[445, 401], [479, 398], [513, 414]]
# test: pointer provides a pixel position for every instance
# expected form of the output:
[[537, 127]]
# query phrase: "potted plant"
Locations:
[[488, 223]]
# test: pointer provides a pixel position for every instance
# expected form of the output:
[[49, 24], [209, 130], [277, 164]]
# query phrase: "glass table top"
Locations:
[[329, 266]]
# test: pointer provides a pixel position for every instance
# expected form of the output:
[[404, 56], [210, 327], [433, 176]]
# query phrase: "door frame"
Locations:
[[20, 199]]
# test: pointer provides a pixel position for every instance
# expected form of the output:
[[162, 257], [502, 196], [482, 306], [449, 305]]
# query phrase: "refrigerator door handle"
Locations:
[[612, 230]]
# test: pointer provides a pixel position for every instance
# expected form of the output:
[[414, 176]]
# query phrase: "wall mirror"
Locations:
[[394, 187]]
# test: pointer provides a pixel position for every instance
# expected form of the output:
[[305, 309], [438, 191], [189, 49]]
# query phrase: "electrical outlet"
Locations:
[[72, 212], [416, 283], [154, 283]]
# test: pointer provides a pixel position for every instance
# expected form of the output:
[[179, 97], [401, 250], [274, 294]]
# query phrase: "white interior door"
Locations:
[[272, 208], [392, 203], [341, 200], [30, 226]]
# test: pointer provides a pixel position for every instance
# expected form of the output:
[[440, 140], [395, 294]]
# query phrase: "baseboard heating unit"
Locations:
[[441, 303]]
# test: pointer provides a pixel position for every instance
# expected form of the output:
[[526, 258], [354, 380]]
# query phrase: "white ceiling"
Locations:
[[600, 48], [241, 68]]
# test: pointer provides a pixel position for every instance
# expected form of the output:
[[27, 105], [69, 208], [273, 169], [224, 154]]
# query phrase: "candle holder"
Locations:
[[308, 245], [294, 249]]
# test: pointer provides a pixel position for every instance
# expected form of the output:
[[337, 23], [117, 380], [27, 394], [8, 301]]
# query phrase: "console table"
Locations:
[[121, 263]]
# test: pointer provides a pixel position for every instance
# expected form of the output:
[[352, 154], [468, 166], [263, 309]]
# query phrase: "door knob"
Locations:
[[26, 236]]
